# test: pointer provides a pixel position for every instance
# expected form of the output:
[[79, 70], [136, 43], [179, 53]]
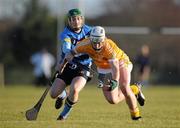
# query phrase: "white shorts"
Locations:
[[109, 70]]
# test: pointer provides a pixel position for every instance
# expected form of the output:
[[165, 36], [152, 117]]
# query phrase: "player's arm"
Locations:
[[115, 68], [114, 63], [113, 60], [66, 48], [70, 55], [78, 49]]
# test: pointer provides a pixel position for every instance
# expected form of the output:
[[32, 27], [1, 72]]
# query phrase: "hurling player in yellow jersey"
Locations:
[[114, 68]]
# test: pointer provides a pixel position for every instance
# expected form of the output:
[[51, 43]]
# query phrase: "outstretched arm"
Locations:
[[114, 82], [115, 69]]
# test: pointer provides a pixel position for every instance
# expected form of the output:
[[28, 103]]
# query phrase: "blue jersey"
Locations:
[[69, 39]]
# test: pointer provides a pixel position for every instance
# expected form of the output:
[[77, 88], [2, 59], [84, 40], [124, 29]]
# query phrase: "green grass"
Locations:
[[162, 109]]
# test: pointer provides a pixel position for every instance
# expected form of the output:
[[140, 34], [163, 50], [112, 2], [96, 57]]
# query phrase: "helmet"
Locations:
[[97, 34], [74, 12], [71, 15]]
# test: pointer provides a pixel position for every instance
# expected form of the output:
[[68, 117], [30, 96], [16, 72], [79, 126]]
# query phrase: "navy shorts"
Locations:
[[71, 71]]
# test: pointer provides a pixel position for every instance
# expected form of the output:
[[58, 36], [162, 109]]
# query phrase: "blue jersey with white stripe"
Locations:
[[69, 39]]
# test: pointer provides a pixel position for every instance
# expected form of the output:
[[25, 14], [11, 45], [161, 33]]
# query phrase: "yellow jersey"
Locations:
[[101, 58]]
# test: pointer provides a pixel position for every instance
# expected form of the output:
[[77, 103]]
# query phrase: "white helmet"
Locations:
[[97, 34]]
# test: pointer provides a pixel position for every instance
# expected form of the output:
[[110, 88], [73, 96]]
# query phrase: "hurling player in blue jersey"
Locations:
[[73, 74]]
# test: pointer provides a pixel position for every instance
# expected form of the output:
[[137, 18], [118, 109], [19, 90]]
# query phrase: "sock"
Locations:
[[67, 109], [63, 95], [135, 115]]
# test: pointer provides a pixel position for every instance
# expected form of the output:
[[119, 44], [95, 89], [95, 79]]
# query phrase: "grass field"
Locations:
[[162, 109]]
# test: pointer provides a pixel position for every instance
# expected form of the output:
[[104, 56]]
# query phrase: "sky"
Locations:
[[91, 8]]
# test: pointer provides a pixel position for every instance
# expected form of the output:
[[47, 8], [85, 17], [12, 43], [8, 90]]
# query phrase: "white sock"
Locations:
[[63, 95]]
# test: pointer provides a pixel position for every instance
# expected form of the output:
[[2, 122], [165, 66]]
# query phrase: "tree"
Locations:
[[37, 29]]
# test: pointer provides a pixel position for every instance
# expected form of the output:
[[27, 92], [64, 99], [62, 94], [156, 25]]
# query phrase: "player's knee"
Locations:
[[75, 93], [112, 100], [52, 95]]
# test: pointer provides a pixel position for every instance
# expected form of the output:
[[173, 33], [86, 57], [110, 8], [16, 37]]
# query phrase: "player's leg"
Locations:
[[67, 81], [137, 90], [60, 99], [125, 77], [57, 88], [145, 75], [76, 86], [80, 77], [113, 96]]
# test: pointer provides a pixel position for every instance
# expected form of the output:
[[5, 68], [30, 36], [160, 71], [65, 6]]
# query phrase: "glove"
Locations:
[[113, 84]]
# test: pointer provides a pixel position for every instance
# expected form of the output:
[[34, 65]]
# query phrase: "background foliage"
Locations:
[[38, 28]]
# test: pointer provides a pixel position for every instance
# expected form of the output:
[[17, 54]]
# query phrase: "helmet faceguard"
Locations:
[[97, 34], [97, 37]]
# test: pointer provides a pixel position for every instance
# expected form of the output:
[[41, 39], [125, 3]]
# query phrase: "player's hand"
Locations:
[[69, 56], [113, 84]]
